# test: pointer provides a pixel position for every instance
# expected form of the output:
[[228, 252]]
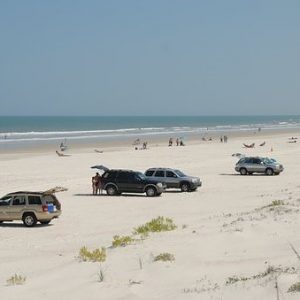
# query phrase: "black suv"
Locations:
[[116, 182]]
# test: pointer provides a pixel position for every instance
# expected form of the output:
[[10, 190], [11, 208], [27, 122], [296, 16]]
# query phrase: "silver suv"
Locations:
[[174, 179], [250, 165], [30, 207]]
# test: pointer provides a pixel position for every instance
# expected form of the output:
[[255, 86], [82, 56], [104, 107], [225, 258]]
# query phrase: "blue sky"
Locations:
[[149, 57]]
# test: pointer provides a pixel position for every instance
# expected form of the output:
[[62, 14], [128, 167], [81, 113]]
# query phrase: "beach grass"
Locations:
[[97, 255]]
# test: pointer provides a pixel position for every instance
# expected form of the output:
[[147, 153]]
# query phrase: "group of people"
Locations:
[[97, 184], [223, 139], [179, 142], [144, 146]]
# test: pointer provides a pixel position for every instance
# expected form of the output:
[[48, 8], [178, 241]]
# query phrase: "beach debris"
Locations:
[[249, 146], [98, 151], [294, 250], [262, 144], [61, 154], [132, 282], [56, 189]]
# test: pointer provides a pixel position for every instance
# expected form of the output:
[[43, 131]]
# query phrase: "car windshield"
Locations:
[[141, 175], [269, 160], [5, 198], [180, 174]]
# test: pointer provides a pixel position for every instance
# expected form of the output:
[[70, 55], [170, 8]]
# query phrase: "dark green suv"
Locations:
[[116, 182]]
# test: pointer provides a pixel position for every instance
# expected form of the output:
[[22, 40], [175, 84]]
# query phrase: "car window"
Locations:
[[19, 200], [140, 175], [51, 199], [242, 160], [256, 161], [109, 175], [149, 172], [5, 200], [159, 174], [179, 173], [171, 174], [34, 200], [124, 175]]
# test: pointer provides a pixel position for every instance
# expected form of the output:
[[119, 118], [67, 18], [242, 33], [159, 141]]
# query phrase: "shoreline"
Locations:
[[119, 143]]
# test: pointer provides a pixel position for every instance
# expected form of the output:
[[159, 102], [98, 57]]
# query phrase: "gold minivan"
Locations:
[[30, 207]]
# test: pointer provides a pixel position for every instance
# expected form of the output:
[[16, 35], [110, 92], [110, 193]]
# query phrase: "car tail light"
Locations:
[[45, 208]]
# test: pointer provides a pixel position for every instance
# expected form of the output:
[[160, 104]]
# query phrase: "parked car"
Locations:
[[250, 165], [174, 178], [116, 182], [30, 207]]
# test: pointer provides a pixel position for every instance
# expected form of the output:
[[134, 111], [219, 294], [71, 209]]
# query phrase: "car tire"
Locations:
[[29, 219], [185, 187], [243, 171], [269, 172], [151, 191], [45, 222], [111, 190]]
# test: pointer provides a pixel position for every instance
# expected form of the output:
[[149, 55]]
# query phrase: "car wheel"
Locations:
[[185, 187], [111, 190], [269, 171], [45, 222], [151, 191], [29, 219], [243, 171]]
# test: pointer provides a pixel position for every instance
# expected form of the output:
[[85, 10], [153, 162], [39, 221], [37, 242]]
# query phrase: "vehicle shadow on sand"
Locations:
[[248, 175], [105, 195], [21, 225]]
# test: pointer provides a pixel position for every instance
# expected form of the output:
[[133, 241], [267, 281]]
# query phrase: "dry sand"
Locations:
[[224, 229]]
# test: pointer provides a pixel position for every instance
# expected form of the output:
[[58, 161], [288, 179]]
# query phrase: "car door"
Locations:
[[171, 179], [258, 165], [5, 203], [160, 176], [17, 207], [129, 182], [249, 165], [122, 181]]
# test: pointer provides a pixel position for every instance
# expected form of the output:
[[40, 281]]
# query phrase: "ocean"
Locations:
[[39, 129]]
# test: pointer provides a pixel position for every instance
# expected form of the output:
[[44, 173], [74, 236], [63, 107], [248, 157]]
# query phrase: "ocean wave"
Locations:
[[135, 132]]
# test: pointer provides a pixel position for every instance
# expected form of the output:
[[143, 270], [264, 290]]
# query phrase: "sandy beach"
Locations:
[[232, 240]]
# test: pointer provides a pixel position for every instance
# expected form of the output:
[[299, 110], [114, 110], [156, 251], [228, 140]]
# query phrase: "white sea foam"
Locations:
[[9, 137]]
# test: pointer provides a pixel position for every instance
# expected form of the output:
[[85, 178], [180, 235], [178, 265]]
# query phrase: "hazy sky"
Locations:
[[149, 57]]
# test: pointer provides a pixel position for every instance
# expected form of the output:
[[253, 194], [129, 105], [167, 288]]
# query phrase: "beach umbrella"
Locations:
[[100, 167]]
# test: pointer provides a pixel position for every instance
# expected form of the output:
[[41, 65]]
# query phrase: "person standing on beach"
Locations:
[[95, 183]]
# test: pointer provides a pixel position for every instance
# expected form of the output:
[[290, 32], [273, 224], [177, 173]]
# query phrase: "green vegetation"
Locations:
[[122, 241], [276, 203], [294, 288], [155, 225], [96, 255], [164, 257], [269, 271], [16, 280]]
